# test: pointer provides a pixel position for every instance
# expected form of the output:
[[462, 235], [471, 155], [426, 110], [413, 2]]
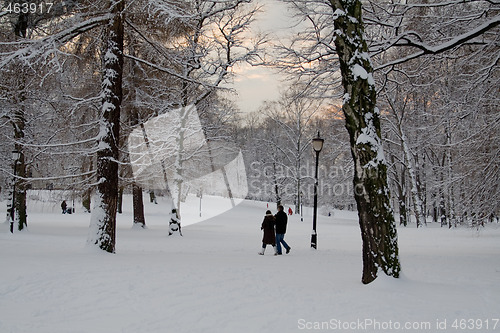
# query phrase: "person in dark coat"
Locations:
[[63, 206], [269, 236], [281, 221]]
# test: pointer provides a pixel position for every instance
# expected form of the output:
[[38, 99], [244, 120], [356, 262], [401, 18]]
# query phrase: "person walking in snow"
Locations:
[[281, 221], [63, 206], [174, 224], [269, 235]]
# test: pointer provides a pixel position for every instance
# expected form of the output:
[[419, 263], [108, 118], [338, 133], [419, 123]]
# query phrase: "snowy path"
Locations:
[[212, 280]]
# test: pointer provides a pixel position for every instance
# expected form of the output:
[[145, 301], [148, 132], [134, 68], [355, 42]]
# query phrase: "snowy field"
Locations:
[[213, 280]]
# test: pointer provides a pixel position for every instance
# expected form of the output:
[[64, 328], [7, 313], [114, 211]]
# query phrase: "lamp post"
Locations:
[[15, 156], [317, 144]]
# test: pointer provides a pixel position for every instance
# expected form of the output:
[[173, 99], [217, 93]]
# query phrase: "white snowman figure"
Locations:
[[175, 223]]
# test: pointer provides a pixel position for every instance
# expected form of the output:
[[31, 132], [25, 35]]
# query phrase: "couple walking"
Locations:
[[269, 224]]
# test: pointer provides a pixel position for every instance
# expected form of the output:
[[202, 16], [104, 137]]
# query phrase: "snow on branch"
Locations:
[[424, 48], [41, 49], [409, 6]]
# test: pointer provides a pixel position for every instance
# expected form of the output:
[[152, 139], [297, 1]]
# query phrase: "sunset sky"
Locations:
[[257, 84]]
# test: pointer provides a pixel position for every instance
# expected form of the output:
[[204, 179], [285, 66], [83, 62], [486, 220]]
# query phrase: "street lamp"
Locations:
[[317, 144], [15, 157]]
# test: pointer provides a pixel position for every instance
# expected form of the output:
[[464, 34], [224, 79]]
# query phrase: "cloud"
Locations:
[[253, 84]]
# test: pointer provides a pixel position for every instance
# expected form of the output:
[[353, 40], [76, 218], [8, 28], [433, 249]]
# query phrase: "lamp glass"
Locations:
[[317, 144]]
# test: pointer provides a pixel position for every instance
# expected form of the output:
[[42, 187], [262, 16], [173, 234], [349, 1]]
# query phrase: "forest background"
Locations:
[[435, 68]]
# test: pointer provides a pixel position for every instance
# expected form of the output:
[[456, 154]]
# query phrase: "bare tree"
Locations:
[[197, 62], [291, 122]]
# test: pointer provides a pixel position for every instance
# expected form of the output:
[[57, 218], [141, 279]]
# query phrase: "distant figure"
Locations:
[[269, 236], [64, 206], [281, 221], [175, 223], [290, 212]]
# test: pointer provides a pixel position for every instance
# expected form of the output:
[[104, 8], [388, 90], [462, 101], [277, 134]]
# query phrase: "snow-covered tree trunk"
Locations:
[[376, 219], [411, 167], [179, 158], [415, 193], [103, 220]]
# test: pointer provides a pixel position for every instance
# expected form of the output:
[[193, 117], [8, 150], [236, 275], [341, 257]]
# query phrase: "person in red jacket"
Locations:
[[269, 236]]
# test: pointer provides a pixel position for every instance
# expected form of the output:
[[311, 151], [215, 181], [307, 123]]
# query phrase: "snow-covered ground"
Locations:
[[212, 280]]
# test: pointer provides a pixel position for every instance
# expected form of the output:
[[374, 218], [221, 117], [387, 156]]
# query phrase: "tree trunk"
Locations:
[[403, 211], [411, 167], [21, 217], [87, 192], [412, 172], [18, 121], [119, 209], [103, 219], [449, 175], [400, 183], [152, 196], [86, 200], [376, 219], [19, 187], [138, 206], [276, 187], [135, 119]]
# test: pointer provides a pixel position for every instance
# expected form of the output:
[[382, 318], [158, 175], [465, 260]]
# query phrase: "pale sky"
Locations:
[[257, 84]]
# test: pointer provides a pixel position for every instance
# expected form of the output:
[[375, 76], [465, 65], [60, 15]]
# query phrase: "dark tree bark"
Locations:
[[18, 122], [21, 217], [138, 205], [86, 200], [103, 220], [119, 209], [376, 219], [135, 119]]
